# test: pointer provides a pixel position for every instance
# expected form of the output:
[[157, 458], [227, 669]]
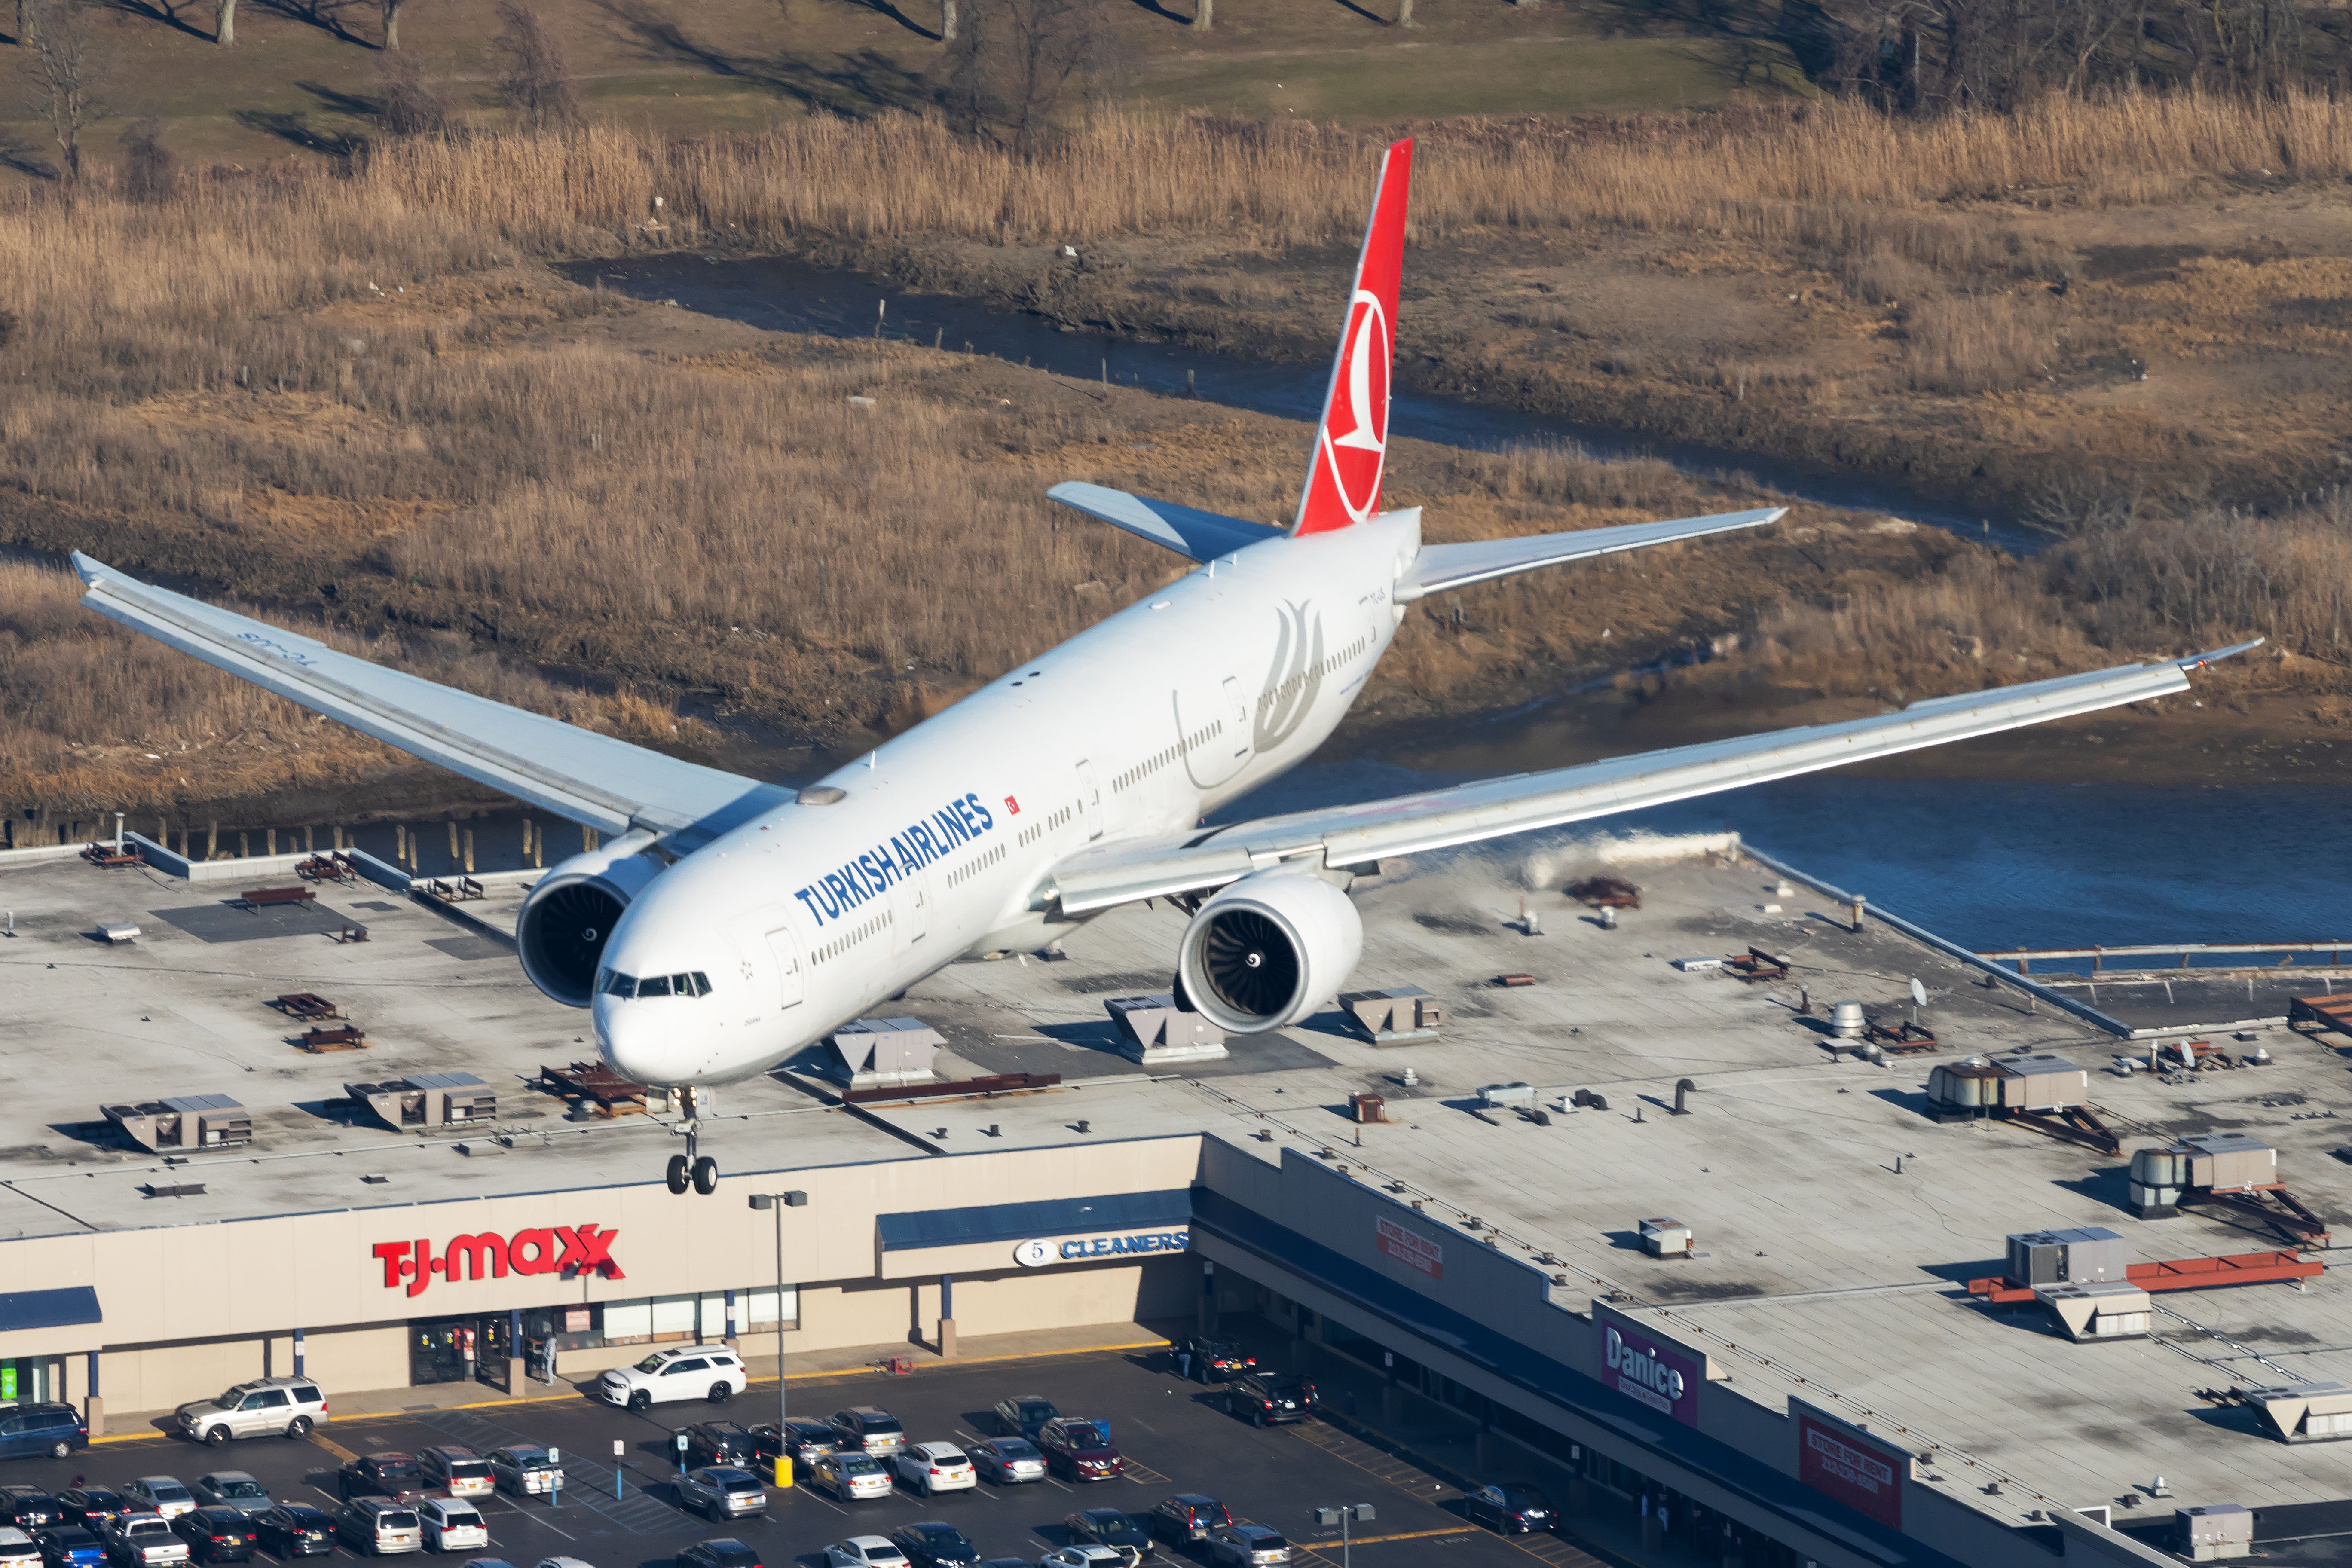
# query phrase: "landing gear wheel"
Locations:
[[676, 1177], [706, 1175]]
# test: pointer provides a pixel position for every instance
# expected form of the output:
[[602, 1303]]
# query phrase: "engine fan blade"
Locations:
[[1250, 962]]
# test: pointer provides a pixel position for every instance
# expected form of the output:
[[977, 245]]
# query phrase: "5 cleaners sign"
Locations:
[[564, 1249]]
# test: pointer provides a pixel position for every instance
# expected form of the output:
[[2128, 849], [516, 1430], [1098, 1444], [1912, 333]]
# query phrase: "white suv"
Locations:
[[265, 1407], [690, 1371]]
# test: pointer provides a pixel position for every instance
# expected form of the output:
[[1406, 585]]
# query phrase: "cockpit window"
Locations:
[[615, 984]]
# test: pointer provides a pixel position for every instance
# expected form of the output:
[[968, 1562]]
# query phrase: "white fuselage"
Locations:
[[940, 841]]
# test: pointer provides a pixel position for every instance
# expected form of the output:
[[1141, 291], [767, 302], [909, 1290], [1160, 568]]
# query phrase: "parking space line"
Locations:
[[1401, 1535], [1552, 1550], [337, 1450]]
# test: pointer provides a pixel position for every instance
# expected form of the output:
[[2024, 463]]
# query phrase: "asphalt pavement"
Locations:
[[620, 1513]]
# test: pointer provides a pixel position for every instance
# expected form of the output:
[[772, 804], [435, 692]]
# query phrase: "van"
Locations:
[[53, 1431]]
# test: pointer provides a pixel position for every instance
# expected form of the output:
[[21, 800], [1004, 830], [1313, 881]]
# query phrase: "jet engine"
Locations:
[[569, 915], [1268, 950]]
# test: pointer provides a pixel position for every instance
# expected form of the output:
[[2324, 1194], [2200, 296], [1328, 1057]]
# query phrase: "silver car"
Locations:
[[722, 1491], [144, 1540], [1008, 1461], [1248, 1546], [265, 1407], [233, 1488], [525, 1469], [379, 1527]]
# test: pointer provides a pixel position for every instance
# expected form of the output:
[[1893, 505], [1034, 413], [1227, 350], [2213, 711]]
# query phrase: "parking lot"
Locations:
[[1174, 1436]]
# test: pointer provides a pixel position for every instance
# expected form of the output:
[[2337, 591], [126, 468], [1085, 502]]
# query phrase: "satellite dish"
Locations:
[[1919, 991]]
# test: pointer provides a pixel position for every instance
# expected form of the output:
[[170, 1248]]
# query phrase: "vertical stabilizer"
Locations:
[[1343, 479]]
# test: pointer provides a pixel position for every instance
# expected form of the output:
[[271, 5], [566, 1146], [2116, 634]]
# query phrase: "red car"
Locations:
[[1080, 1449]]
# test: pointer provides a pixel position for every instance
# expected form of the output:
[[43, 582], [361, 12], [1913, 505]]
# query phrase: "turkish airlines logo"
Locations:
[[1353, 452], [1295, 679], [559, 1249]]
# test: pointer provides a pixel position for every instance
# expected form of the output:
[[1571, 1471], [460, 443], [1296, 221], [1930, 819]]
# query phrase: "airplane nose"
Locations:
[[632, 1046]]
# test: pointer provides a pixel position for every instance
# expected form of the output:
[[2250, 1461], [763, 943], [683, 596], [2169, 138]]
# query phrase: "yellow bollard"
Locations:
[[783, 1471]]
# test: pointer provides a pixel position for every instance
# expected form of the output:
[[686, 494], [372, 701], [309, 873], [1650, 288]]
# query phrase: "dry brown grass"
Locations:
[[1974, 343]]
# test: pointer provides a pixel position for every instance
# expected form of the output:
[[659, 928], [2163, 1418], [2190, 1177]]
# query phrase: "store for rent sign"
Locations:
[[1838, 1463], [1422, 1253], [564, 1249]]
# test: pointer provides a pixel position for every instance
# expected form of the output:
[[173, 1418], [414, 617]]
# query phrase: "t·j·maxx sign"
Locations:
[[559, 1249]]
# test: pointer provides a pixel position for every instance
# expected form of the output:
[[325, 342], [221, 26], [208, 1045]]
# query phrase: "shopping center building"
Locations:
[[1809, 1371]]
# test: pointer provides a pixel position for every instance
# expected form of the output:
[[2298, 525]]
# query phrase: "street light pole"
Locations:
[[1341, 1516], [780, 1202]]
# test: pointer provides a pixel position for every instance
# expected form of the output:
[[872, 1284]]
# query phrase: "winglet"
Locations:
[[2200, 661], [1343, 475]]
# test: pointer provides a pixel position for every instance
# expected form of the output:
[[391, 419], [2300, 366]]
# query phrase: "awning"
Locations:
[[1018, 1222], [57, 1308]]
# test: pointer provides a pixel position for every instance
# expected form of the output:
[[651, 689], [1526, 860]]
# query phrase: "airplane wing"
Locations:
[[1442, 566], [601, 781], [1191, 532], [1357, 835]]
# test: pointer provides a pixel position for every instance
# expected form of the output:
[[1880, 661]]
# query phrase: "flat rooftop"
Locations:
[[1835, 1224]]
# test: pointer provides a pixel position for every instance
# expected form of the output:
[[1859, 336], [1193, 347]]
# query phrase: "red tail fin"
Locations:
[[1343, 483]]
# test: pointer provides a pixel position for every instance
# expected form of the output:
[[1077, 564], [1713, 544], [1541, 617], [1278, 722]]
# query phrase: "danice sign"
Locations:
[[559, 1249]]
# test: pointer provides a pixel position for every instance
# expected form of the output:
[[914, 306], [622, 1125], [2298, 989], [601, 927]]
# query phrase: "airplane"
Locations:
[[729, 923]]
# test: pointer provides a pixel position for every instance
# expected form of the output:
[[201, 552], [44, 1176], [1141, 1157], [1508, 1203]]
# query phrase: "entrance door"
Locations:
[[757, 947], [494, 1351], [1090, 800], [1212, 727], [910, 910], [437, 1350], [785, 949]]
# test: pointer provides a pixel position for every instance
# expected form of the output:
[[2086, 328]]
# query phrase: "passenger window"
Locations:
[[653, 985], [672, 1371], [267, 1399], [306, 1395], [15, 1427]]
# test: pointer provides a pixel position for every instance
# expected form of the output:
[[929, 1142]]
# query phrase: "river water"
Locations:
[[1989, 865]]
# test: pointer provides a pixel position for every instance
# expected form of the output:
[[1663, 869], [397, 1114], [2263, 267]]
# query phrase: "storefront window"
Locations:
[[628, 1323], [759, 1304], [674, 1317], [25, 1377]]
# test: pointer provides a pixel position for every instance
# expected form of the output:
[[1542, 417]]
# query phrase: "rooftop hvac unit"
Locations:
[[2215, 1531], [427, 1100], [1394, 1017], [876, 1053], [2304, 1412], [2089, 1256], [2039, 1080], [1666, 1239], [2086, 1313], [1507, 1094], [1154, 1029], [193, 1122], [2229, 1162]]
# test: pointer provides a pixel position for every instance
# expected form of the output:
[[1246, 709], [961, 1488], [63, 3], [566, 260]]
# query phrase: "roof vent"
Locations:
[[821, 795]]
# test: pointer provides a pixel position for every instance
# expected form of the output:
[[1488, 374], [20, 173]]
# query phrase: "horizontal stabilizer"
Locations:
[[1188, 532], [1444, 566]]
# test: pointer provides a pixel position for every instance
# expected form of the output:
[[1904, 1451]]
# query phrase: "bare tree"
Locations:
[[224, 22], [1020, 67], [1204, 14], [61, 63], [1405, 13], [534, 75], [391, 24], [408, 102], [150, 172]]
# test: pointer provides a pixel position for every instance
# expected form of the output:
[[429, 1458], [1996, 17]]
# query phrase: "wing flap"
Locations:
[[1440, 567], [598, 780], [1439, 819], [1188, 530]]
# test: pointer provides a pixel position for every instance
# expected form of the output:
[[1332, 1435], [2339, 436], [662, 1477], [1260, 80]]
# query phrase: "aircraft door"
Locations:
[[910, 910], [1214, 729], [766, 942], [1090, 800]]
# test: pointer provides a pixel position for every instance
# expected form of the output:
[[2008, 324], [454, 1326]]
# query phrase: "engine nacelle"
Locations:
[[1268, 951], [569, 915]]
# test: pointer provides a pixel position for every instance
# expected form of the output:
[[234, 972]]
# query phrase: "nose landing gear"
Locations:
[[691, 1169]]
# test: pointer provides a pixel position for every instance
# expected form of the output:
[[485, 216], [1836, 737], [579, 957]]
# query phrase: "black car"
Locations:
[[295, 1529], [1514, 1508], [91, 1507], [1022, 1416], [1264, 1399], [724, 1553], [1205, 1359], [391, 1475], [28, 1508], [720, 1443], [216, 1534], [932, 1544], [1115, 1528], [1188, 1517]]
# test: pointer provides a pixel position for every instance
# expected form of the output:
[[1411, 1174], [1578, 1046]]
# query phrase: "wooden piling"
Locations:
[[469, 851], [212, 838]]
